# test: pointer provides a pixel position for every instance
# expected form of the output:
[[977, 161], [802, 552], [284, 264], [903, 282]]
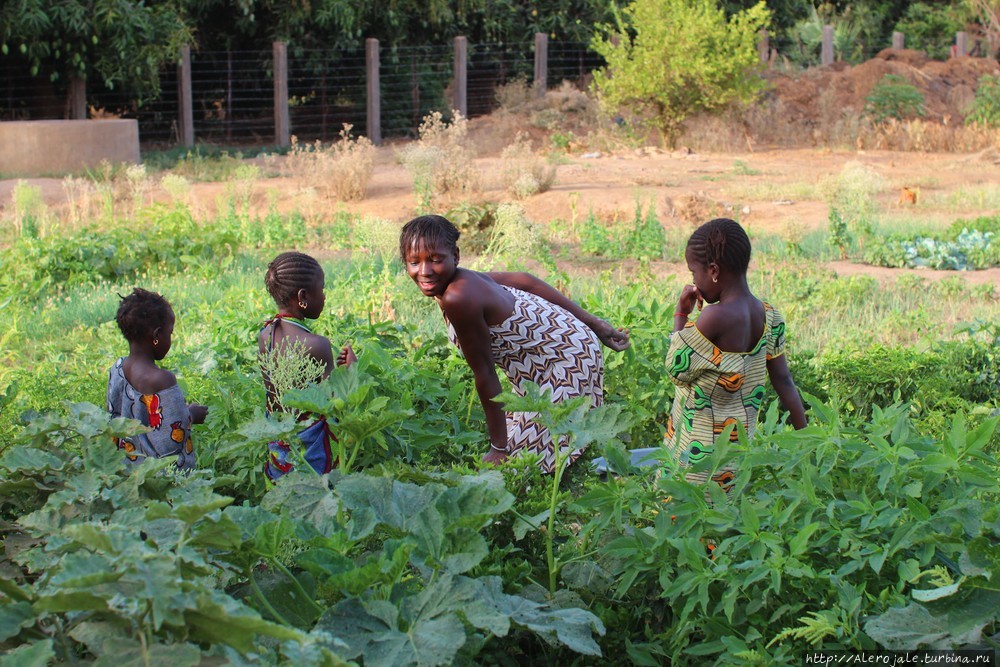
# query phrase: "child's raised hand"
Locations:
[[198, 412], [346, 356], [690, 299]]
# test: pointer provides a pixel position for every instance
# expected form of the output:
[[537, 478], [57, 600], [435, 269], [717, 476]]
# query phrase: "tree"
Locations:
[[125, 42], [674, 58]]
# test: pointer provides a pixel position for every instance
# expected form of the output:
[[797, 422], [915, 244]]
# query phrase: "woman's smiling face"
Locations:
[[431, 267]]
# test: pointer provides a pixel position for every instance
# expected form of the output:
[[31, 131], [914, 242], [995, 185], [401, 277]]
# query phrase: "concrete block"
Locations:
[[51, 147]]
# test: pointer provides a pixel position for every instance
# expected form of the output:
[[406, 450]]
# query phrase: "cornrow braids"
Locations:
[[428, 231], [288, 273], [142, 311], [721, 241]]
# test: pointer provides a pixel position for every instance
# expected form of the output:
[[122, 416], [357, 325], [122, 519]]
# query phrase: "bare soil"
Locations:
[[762, 189]]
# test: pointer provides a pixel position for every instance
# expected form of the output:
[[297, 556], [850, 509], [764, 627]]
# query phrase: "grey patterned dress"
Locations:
[[165, 413], [543, 343]]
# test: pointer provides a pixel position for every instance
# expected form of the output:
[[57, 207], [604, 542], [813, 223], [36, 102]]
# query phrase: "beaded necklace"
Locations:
[[297, 321]]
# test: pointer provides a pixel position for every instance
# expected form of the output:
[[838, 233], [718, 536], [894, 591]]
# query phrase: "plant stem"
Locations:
[[549, 535], [296, 583], [263, 600]]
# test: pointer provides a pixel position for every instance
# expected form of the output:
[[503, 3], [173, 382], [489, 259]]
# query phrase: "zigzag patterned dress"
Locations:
[[715, 389], [543, 343]]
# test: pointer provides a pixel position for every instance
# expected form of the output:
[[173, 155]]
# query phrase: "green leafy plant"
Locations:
[[985, 109], [677, 58], [893, 97], [645, 237], [574, 424]]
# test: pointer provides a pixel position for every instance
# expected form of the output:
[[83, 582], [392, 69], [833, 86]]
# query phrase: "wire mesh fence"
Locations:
[[233, 100], [233, 92]]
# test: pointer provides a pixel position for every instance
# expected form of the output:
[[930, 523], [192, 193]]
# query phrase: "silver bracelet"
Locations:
[[492, 446]]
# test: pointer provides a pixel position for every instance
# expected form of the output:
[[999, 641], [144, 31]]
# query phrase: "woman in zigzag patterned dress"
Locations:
[[514, 321]]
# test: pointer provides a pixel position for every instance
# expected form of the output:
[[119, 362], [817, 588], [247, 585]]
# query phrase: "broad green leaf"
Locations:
[[523, 526], [38, 654], [13, 617], [906, 628], [9, 588], [60, 601], [302, 494], [220, 619], [797, 545], [751, 523], [127, 652], [282, 594], [249, 519], [573, 628], [81, 569], [23, 459], [930, 595]]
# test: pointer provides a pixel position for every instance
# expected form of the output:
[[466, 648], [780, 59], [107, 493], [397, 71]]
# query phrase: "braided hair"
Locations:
[[723, 242], [142, 311], [429, 231], [288, 273]]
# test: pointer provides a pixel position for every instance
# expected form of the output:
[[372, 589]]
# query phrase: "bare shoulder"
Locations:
[[466, 295], [712, 322], [158, 380]]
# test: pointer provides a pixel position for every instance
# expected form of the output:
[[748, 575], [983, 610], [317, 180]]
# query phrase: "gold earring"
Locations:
[[156, 341]]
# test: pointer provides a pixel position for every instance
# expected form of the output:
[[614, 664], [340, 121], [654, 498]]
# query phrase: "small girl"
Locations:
[[139, 389], [295, 281], [719, 363]]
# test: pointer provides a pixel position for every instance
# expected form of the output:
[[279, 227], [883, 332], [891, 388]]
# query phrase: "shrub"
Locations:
[[985, 108], [893, 97], [852, 198], [514, 238], [523, 173], [514, 96], [344, 169], [441, 161], [644, 238], [676, 58]]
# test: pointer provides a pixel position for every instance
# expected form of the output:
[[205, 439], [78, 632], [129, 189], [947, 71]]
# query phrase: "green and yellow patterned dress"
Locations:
[[715, 389]]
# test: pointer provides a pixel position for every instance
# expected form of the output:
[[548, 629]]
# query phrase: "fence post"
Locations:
[[281, 125], [374, 91], [826, 55], [763, 45], [961, 44], [460, 70], [897, 41], [76, 98], [541, 63], [186, 129]]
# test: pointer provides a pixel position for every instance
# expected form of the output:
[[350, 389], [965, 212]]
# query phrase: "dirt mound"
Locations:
[[821, 92]]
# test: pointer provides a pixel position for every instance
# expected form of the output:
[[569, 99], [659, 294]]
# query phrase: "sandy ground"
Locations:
[[769, 191]]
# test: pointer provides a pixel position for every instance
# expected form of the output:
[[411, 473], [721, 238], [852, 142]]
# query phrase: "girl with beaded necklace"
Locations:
[[295, 281]]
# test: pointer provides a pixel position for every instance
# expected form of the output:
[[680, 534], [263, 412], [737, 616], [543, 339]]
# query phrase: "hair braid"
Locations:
[[288, 273], [723, 242], [142, 311]]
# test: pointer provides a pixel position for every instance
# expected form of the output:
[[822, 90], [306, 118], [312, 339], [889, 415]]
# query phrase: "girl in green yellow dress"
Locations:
[[720, 362]]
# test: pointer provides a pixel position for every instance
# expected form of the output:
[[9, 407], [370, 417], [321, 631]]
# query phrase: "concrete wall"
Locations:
[[50, 147]]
